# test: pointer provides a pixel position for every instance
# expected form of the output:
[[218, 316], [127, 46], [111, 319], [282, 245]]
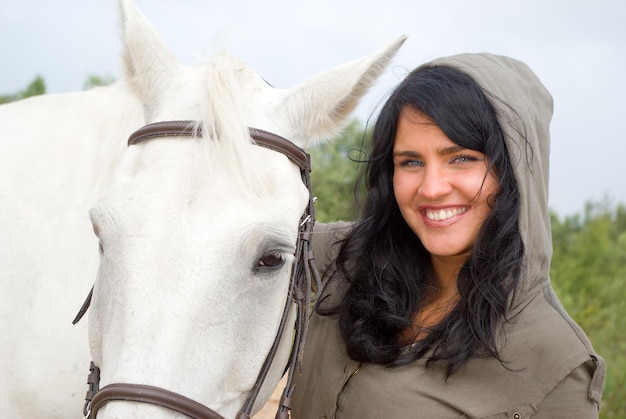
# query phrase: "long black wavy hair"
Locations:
[[389, 272]]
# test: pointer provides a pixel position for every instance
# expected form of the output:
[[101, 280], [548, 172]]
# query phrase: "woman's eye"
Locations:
[[464, 159], [411, 163], [271, 260]]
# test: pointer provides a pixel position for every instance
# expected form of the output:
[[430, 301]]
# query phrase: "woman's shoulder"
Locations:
[[549, 349], [542, 323], [336, 229], [326, 241]]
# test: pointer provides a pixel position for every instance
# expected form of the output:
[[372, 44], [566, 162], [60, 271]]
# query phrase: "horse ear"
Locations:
[[320, 106], [146, 59]]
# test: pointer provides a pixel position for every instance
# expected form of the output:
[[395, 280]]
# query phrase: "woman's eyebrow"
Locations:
[[406, 153], [446, 151]]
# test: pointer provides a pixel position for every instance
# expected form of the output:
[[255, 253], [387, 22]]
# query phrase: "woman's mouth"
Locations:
[[444, 214]]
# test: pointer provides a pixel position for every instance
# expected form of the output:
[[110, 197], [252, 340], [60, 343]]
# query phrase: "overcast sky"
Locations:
[[577, 47]]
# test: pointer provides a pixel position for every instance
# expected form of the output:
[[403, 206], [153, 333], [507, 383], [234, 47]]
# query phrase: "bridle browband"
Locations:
[[300, 292]]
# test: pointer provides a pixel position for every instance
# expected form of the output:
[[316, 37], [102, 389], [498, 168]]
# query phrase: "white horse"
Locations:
[[196, 236], [57, 154]]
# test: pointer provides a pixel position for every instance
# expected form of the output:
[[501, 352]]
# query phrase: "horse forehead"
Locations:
[[249, 171], [185, 177]]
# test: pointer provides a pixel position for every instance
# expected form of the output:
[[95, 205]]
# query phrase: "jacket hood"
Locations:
[[524, 109]]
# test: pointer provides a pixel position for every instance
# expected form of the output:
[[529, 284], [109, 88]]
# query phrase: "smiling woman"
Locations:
[[438, 301]]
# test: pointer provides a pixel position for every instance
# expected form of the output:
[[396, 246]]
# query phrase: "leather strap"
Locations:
[[84, 307], [153, 395], [193, 129]]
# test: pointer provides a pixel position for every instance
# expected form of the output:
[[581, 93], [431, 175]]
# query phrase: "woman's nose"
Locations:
[[435, 183]]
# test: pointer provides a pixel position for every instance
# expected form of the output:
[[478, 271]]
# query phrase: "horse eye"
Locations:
[[271, 260]]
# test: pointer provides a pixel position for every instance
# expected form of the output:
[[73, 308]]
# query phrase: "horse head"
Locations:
[[198, 232]]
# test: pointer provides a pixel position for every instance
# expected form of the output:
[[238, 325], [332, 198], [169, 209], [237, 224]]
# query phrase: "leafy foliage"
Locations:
[[36, 87], [335, 170], [588, 272], [95, 80]]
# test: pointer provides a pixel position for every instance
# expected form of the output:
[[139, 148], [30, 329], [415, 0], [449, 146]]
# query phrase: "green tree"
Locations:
[[7, 98], [588, 272], [34, 88], [334, 174], [95, 80]]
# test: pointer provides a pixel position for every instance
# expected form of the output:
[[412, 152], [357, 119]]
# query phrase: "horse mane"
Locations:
[[224, 121]]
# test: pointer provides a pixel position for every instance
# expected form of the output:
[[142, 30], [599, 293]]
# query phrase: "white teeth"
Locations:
[[444, 214]]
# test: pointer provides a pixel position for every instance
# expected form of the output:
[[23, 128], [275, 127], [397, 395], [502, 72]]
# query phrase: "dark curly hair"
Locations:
[[389, 272]]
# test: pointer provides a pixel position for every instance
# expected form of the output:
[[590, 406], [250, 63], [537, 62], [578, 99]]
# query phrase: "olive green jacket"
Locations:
[[551, 369]]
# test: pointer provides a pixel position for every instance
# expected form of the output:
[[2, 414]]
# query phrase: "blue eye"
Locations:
[[411, 163], [464, 159]]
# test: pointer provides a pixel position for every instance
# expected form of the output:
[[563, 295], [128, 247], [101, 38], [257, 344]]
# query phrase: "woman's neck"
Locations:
[[438, 304], [447, 272]]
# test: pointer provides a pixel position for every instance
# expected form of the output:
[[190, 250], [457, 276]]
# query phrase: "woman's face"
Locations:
[[442, 189]]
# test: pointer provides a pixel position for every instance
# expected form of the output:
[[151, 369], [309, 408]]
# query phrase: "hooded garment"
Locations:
[[551, 369]]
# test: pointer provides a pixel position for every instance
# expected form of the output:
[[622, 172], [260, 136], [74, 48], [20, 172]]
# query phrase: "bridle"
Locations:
[[300, 293]]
